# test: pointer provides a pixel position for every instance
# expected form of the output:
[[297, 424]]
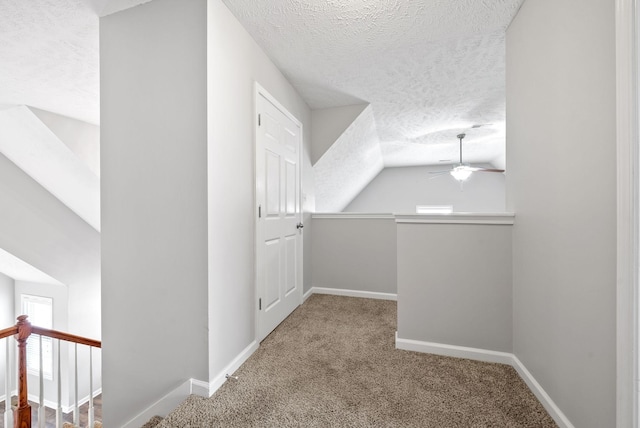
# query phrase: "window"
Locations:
[[434, 209], [40, 312]]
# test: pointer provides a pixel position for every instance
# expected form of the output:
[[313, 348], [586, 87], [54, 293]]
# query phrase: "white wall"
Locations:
[[400, 189], [7, 319], [235, 62], [561, 154], [354, 253], [454, 284], [154, 203]]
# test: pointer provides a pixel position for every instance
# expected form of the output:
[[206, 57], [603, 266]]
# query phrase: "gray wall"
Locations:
[[354, 254], [562, 185], [7, 319], [235, 63], [400, 189], [154, 202], [454, 285]]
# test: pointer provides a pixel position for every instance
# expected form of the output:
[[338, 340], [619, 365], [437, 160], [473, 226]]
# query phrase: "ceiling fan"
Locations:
[[461, 172]]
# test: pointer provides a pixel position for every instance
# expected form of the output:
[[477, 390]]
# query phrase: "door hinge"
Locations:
[[259, 211], [260, 304], [259, 120]]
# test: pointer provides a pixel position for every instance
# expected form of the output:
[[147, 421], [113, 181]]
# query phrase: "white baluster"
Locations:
[[76, 410], [41, 392], [59, 420], [91, 387], [8, 414]]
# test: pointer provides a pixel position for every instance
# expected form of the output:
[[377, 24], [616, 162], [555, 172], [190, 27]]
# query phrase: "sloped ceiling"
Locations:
[[429, 69], [33, 147], [348, 165]]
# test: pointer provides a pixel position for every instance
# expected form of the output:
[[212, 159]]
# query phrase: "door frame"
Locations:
[[259, 90], [628, 207]]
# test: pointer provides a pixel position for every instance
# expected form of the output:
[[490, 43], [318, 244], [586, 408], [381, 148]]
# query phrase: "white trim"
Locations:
[[457, 218], [70, 408], [54, 404], [234, 365], [306, 295], [542, 396], [352, 216], [171, 400], [353, 293], [167, 403], [199, 387], [259, 89], [454, 351], [628, 229], [492, 357]]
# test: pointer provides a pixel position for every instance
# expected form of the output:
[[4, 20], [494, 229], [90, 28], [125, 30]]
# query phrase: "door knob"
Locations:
[[299, 226]]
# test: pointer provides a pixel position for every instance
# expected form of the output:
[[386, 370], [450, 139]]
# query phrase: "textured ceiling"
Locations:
[[429, 69], [49, 51], [50, 54]]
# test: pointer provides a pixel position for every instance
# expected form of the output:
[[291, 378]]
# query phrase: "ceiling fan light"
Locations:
[[460, 173]]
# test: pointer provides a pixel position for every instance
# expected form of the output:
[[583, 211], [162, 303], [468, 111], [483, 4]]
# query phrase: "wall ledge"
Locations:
[[354, 216], [457, 218], [453, 218]]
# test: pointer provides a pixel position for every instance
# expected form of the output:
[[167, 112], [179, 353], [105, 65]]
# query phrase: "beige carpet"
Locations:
[[333, 363]]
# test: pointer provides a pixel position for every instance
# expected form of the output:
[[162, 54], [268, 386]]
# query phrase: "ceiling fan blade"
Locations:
[[488, 170]]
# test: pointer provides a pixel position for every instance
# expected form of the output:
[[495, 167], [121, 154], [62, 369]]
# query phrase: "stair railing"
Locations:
[[22, 413]]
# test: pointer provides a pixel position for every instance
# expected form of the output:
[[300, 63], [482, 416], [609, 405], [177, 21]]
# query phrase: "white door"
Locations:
[[278, 227]]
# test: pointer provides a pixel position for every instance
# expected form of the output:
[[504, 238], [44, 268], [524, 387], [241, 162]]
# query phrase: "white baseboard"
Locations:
[[307, 295], [492, 357], [351, 293], [551, 407], [234, 365], [170, 401], [35, 398], [454, 351], [200, 388]]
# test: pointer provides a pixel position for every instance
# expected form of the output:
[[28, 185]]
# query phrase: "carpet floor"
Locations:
[[333, 363]]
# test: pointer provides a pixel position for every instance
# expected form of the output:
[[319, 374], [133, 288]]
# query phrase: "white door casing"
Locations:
[[278, 213], [628, 214]]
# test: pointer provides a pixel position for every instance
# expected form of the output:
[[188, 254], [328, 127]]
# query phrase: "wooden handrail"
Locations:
[[66, 336], [8, 332], [21, 331]]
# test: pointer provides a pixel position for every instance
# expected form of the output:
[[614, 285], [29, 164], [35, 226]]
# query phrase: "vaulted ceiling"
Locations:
[[429, 69]]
